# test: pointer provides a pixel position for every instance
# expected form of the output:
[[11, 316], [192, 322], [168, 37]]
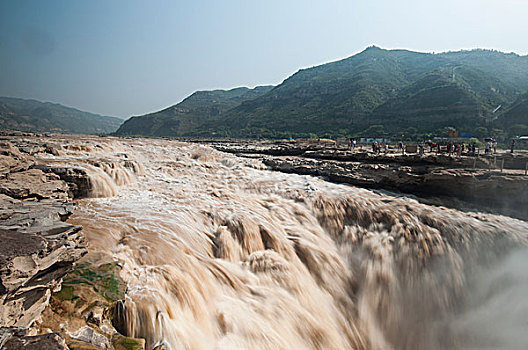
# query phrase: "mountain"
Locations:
[[510, 68], [377, 91], [339, 94], [515, 119], [32, 115], [441, 99], [195, 110]]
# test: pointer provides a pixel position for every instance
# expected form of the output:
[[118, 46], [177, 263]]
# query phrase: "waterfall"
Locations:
[[220, 253]]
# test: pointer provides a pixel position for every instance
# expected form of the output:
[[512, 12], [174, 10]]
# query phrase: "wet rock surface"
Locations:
[[33, 261], [84, 310], [52, 296], [506, 194], [79, 185], [14, 338], [38, 248]]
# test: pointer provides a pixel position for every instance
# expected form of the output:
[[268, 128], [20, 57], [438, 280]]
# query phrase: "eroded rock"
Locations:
[[88, 335], [77, 179], [38, 248], [34, 183], [15, 338], [12, 160], [33, 261], [42, 290]]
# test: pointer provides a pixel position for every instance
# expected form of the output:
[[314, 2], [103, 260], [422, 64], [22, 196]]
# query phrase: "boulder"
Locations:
[[12, 160], [88, 335], [34, 183]]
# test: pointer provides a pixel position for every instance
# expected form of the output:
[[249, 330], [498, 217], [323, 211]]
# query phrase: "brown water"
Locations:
[[219, 253]]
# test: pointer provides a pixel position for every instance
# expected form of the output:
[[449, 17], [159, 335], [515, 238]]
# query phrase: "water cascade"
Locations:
[[220, 253]]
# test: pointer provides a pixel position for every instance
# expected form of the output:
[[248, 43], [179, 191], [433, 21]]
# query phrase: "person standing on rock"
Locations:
[[512, 145], [351, 144]]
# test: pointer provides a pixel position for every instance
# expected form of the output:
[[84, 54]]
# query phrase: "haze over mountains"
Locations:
[[376, 92], [32, 115]]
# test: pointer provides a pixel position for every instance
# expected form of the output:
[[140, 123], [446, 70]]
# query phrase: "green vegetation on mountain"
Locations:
[[31, 115], [461, 99], [195, 110], [508, 67], [515, 119], [376, 92]]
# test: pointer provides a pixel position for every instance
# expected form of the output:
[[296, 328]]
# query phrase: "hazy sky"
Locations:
[[126, 58]]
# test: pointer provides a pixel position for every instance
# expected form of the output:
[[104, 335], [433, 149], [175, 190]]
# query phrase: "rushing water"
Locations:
[[219, 253]]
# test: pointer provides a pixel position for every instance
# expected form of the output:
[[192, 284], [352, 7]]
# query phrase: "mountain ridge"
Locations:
[[190, 112], [349, 96], [33, 115]]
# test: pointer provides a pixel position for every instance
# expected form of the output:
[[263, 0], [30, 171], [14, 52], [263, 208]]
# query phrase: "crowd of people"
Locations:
[[450, 147]]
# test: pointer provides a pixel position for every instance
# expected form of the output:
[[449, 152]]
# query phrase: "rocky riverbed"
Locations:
[[42, 290], [495, 182], [113, 243]]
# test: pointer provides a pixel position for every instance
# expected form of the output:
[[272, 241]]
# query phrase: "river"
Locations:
[[220, 253]]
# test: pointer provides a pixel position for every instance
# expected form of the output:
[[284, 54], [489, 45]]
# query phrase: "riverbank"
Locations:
[[54, 294], [192, 247], [496, 183]]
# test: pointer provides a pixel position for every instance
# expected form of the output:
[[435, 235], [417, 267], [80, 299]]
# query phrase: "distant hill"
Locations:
[[194, 111], [376, 92], [32, 115]]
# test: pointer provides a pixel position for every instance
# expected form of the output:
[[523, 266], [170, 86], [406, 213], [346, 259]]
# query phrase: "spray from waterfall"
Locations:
[[218, 252]]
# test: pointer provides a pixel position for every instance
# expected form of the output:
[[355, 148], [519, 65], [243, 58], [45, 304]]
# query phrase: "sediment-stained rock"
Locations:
[[37, 246], [34, 256], [42, 291], [77, 179], [33, 183], [12, 160], [15, 338], [331, 151]]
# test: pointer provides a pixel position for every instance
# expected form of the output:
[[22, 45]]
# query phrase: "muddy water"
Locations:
[[219, 253]]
